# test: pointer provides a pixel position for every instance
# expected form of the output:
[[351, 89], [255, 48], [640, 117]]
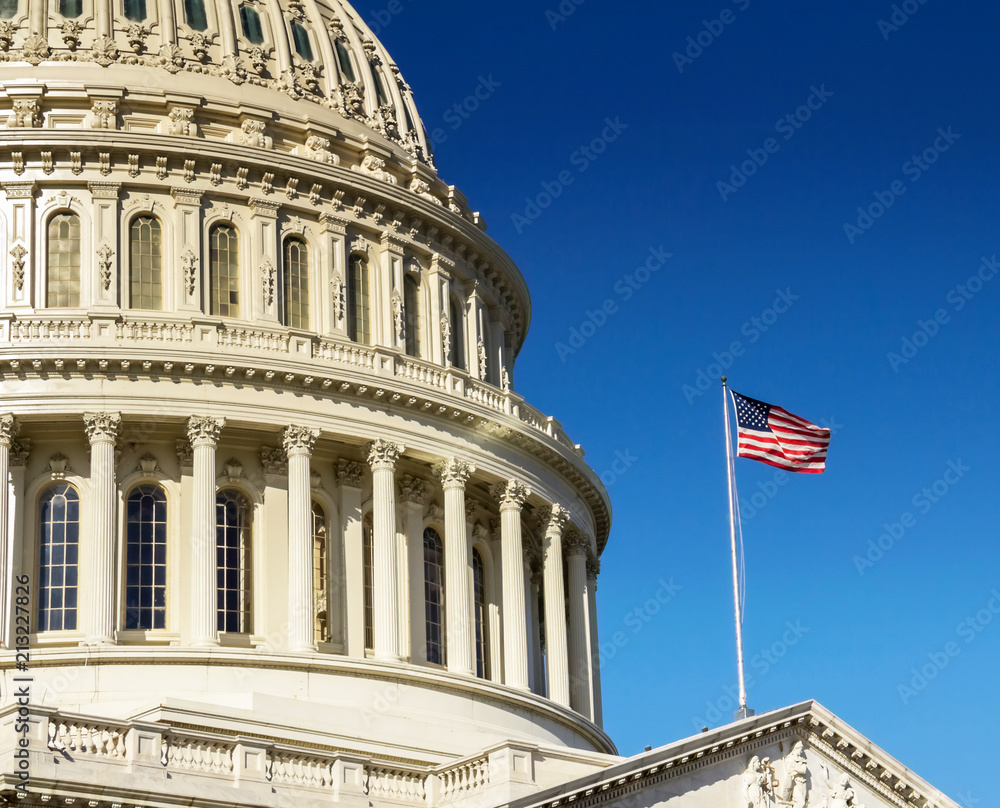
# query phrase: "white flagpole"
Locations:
[[743, 710]]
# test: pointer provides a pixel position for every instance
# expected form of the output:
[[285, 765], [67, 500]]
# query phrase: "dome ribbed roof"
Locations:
[[270, 53]]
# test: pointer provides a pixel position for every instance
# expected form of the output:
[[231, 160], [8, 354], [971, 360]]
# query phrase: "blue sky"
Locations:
[[594, 148]]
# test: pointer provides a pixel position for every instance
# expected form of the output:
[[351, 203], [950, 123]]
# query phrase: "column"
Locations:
[[349, 474], [8, 431], [262, 303], [412, 492], [536, 670], [557, 654], [581, 688], [299, 442], [593, 570], [460, 631], [382, 457], [99, 614], [204, 436], [21, 562], [512, 495]]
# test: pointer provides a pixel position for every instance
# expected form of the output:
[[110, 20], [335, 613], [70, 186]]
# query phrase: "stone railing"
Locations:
[[189, 756], [223, 340]]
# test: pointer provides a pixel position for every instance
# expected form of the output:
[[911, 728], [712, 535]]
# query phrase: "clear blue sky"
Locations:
[[848, 298]]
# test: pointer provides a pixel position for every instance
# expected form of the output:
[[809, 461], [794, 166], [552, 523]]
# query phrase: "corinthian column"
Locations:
[[99, 617], [299, 443], [460, 632], [593, 570], [512, 495], [382, 457], [556, 653], [8, 431], [204, 436], [581, 686]]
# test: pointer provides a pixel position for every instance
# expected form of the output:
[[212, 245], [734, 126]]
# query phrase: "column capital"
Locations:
[[348, 473], [102, 427], [204, 431], [300, 440], [552, 519], [593, 566], [383, 454], [9, 427], [576, 543], [412, 489], [511, 495], [19, 452], [454, 473]]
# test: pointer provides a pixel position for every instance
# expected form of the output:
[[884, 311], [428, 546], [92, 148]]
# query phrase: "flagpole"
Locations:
[[743, 711]]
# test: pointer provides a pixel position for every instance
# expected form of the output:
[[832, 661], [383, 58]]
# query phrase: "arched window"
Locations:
[[63, 275], [224, 268], [320, 574], [411, 311], [295, 285], [135, 10], [358, 314], [379, 88], [344, 60], [303, 47], [146, 263], [368, 552], [434, 596], [59, 555], [250, 21], [457, 357], [71, 8], [146, 558], [233, 563], [8, 8], [479, 615], [194, 14]]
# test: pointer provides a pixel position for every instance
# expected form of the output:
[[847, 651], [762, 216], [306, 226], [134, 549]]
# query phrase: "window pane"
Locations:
[[63, 275], [232, 544], [135, 10], [8, 8], [194, 14], [368, 550], [224, 267], [479, 605], [302, 45], [59, 533], [71, 8], [358, 324], [295, 285], [457, 357], [146, 558], [320, 576], [146, 263], [379, 88], [250, 20], [344, 58], [434, 596], [411, 310]]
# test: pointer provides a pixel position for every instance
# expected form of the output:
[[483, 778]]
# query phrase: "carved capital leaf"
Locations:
[[102, 427], [412, 489], [511, 495], [204, 431], [300, 440], [349, 473], [454, 473], [383, 454]]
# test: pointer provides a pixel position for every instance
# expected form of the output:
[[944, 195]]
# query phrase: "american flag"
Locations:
[[774, 436]]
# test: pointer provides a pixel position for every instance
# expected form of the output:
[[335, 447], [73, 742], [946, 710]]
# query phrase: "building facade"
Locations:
[[277, 527]]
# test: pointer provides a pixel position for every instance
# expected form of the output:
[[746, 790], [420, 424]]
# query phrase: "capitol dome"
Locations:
[[277, 518]]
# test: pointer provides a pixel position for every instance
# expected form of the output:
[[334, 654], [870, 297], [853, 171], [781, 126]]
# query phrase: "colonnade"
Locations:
[[568, 568]]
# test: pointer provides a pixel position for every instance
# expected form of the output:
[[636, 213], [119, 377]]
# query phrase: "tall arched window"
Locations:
[[135, 10], [411, 311], [233, 562], [434, 596], [295, 285], [224, 269], [71, 8], [300, 38], [250, 22], [59, 555], [358, 313], [320, 574], [63, 272], [8, 8], [194, 14], [146, 558], [457, 357], [146, 263], [479, 606], [344, 60], [368, 552]]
